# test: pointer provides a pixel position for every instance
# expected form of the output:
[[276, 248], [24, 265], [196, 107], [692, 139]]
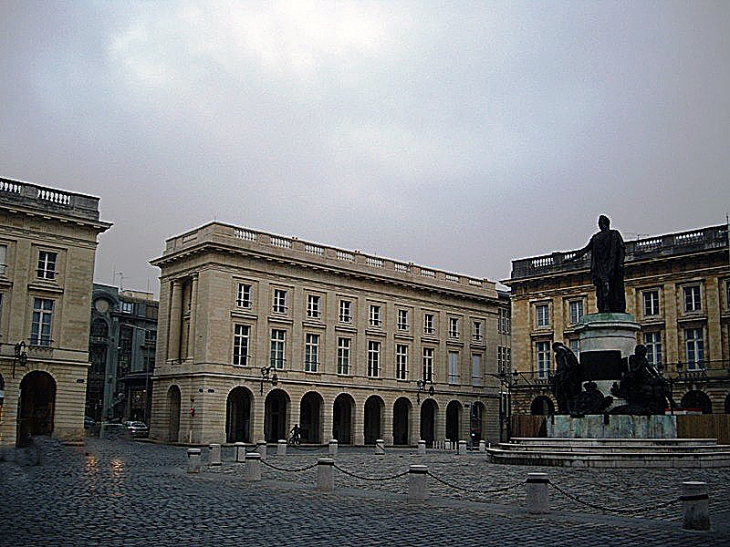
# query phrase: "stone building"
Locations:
[[122, 350], [258, 333], [678, 290], [48, 242]]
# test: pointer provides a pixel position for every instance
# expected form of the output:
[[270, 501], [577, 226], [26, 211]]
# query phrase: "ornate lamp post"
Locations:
[[421, 386], [266, 376], [21, 356]]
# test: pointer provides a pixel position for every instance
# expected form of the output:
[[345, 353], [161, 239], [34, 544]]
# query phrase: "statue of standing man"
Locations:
[[607, 267]]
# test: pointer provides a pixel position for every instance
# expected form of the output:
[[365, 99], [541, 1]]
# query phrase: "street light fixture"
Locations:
[[421, 386], [21, 356], [266, 376]]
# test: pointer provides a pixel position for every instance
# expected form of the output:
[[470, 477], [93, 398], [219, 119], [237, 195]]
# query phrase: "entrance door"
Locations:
[[275, 420], [173, 408], [36, 406], [373, 417], [238, 416], [401, 419], [342, 418], [428, 421]]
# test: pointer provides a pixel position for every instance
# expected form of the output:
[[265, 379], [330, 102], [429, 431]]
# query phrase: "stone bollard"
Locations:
[[447, 444], [417, 484], [482, 446], [325, 482], [240, 449], [281, 447], [422, 448], [215, 455], [261, 449], [252, 471], [334, 444], [696, 503], [536, 493], [380, 447], [193, 460], [462, 448]]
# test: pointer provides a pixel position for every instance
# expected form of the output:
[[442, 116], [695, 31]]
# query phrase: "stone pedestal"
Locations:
[[612, 426]]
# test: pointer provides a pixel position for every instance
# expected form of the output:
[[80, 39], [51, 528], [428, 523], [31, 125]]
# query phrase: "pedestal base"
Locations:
[[612, 427]]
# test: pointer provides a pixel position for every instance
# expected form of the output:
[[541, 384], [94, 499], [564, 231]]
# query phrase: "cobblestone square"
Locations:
[[126, 493]]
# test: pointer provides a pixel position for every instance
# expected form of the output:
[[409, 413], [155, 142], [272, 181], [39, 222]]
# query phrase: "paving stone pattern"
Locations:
[[126, 493]]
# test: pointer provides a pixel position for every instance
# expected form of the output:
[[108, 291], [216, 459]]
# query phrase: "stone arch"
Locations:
[[429, 413], [36, 406], [373, 419], [276, 415], [238, 415], [401, 421], [698, 400], [542, 406], [454, 411], [174, 408], [727, 404], [311, 417], [343, 418]]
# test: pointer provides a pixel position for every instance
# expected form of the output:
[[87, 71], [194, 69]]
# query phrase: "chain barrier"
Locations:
[[471, 491], [298, 470], [632, 511], [353, 475]]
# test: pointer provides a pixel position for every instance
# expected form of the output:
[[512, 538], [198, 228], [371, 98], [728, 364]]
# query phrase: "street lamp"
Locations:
[[21, 356], [421, 386], [266, 376], [506, 380]]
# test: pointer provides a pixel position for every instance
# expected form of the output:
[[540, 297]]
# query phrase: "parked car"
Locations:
[[138, 429]]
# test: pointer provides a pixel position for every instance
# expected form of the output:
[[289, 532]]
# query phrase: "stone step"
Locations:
[[642, 449]]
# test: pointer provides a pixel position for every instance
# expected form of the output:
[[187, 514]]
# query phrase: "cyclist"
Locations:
[[296, 435]]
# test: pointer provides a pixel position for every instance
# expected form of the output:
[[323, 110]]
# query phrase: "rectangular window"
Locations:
[[402, 319], [127, 307], [453, 327], [46, 265], [428, 364], [373, 359], [40, 333], [311, 353], [692, 298], [542, 315], [543, 359], [313, 309], [576, 311], [243, 296], [240, 345], [651, 303], [574, 345], [476, 369], [279, 301], [476, 334], [695, 349], [428, 323], [401, 362], [653, 343], [345, 311], [454, 368], [343, 356], [375, 318], [505, 321], [504, 359], [3, 259], [278, 339]]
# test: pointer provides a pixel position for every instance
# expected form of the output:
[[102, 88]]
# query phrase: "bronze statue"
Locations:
[[565, 382], [643, 388], [607, 267]]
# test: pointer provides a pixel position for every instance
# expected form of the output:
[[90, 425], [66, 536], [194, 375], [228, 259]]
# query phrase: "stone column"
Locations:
[[325, 481], [417, 483], [696, 506], [193, 306], [173, 346], [536, 493]]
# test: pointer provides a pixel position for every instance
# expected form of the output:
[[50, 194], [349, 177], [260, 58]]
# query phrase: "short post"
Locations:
[[261, 449], [462, 448], [417, 484], [240, 452], [252, 471], [421, 447], [379, 447], [334, 444], [193, 460], [325, 482], [447, 444], [696, 503], [215, 455], [281, 447], [482, 446], [536, 493]]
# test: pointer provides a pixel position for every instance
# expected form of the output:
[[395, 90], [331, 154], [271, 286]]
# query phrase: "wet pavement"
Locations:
[[128, 493]]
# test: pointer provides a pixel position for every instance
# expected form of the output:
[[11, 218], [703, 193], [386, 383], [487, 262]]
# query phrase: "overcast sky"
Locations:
[[456, 135]]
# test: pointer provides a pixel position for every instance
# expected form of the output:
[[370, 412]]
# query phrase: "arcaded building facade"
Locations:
[[48, 243], [678, 290], [259, 332]]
